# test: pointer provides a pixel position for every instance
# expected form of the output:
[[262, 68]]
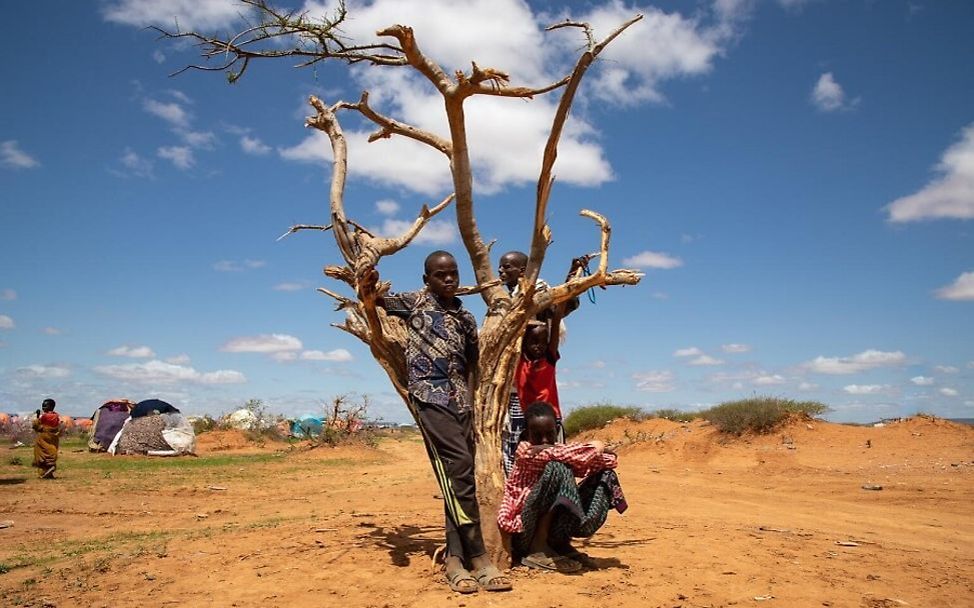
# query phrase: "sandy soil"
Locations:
[[776, 520]]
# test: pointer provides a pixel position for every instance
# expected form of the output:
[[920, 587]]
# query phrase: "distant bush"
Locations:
[[674, 415], [758, 414], [597, 416], [202, 424]]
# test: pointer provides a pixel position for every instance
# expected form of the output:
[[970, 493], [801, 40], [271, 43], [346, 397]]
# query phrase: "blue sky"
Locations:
[[795, 178]]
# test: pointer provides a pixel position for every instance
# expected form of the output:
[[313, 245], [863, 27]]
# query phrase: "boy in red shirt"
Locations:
[[47, 425]]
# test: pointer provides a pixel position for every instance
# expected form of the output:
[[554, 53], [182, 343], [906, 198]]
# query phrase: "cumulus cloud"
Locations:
[[807, 386], [291, 286], [950, 195], [828, 96], [135, 352], [768, 379], [387, 207], [653, 259], [181, 359], [48, 372], [180, 156], [264, 343], [12, 157], [735, 348], [948, 392], [51, 331], [8, 295], [188, 14], [691, 351], [6, 322], [254, 146], [339, 355], [238, 266], [961, 289], [135, 165], [868, 359], [654, 381], [705, 360], [922, 380], [946, 369], [160, 372], [436, 232], [864, 389], [171, 112]]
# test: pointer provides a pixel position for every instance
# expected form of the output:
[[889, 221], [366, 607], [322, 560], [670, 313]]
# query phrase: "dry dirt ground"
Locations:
[[777, 520]]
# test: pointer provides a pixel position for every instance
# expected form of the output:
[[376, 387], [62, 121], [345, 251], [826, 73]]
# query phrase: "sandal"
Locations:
[[492, 579], [558, 563], [462, 581]]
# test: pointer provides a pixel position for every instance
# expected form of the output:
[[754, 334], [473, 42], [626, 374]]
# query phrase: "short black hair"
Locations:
[[47, 402], [520, 255], [539, 409], [439, 253]]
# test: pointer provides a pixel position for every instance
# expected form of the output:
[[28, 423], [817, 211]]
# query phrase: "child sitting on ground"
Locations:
[[47, 425], [543, 508]]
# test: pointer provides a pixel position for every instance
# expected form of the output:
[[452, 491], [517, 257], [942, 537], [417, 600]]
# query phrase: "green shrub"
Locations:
[[674, 415], [758, 414], [597, 416]]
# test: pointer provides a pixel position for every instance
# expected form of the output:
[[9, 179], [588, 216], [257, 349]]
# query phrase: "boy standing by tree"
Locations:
[[442, 353]]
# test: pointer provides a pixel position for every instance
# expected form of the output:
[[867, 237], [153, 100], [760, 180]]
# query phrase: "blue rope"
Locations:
[[591, 290]]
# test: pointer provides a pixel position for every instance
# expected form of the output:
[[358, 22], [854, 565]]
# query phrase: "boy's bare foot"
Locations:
[[48, 473]]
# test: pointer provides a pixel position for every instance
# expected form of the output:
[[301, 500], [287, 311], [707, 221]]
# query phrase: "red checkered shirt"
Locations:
[[583, 459]]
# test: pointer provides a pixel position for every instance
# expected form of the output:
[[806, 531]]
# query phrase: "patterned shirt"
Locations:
[[583, 459], [441, 347]]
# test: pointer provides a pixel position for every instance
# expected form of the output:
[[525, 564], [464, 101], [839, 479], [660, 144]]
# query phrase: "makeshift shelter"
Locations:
[[155, 434], [307, 426], [242, 420], [147, 407], [107, 421]]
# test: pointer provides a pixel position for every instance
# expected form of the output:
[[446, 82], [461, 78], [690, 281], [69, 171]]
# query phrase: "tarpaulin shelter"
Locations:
[[144, 408]]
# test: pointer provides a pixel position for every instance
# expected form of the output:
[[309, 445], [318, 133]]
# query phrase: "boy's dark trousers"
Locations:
[[448, 436]]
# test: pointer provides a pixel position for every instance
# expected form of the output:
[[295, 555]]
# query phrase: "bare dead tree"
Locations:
[[278, 34]]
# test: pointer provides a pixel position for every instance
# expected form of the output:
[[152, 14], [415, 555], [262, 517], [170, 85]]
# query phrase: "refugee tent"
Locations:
[[84, 424], [4, 419], [147, 407], [307, 426], [67, 422], [107, 421], [242, 420]]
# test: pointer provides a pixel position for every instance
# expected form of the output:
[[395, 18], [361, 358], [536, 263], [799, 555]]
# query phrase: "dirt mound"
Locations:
[[221, 441]]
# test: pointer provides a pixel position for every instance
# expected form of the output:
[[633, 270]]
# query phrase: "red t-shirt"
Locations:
[[50, 419], [535, 381]]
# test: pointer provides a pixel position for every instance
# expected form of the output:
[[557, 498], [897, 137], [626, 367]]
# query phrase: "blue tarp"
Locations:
[[307, 426]]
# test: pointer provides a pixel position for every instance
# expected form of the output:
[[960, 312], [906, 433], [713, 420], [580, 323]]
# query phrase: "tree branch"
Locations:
[[389, 126], [415, 57]]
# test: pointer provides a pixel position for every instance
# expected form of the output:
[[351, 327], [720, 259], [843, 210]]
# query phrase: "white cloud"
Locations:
[[922, 380], [6, 322], [769, 379], [652, 259], [961, 289], [948, 196], [51, 331], [136, 352], [181, 359], [198, 139], [284, 356], [339, 355], [827, 95], [44, 371], [235, 266], [188, 14], [8, 295], [654, 381], [436, 232], [869, 359], [136, 165], [705, 360], [807, 386], [864, 389], [946, 369], [180, 156], [253, 145], [264, 343], [158, 56], [292, 286], [171, 112], [387, 207], [12, 157], [735, 348], [948, 392], [691, 351], [160, 372]]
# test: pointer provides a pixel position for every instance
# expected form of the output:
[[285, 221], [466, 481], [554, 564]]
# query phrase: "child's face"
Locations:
[[442, 277], [542, 431], [510, 269], [535, 342], [47, 407]]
